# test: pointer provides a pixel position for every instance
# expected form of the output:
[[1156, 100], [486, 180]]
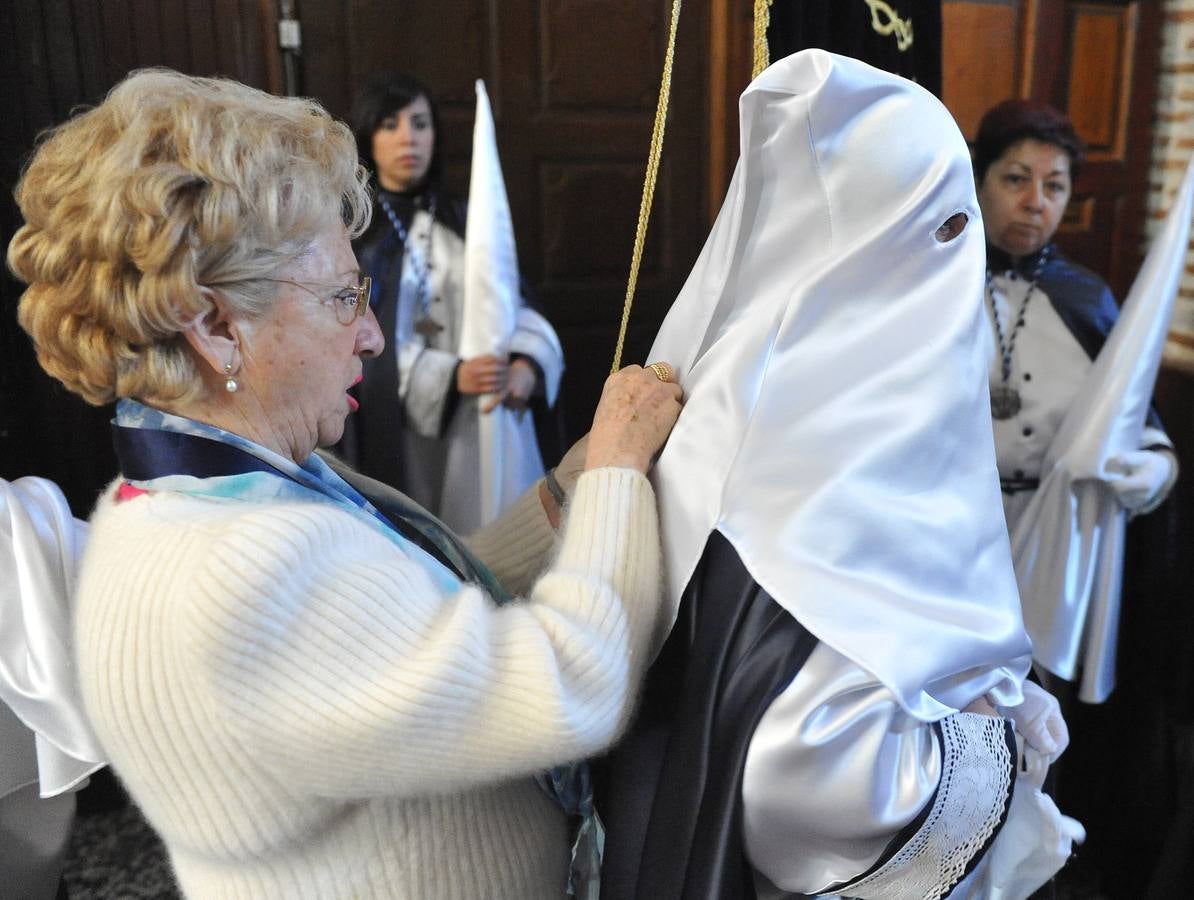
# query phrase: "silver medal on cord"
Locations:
[[1005, 399], [425, 325]]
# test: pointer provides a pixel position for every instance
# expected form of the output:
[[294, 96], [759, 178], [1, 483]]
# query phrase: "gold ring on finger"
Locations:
[[662, 371]]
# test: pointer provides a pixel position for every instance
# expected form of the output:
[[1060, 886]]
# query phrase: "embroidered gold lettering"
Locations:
[[886, 21]]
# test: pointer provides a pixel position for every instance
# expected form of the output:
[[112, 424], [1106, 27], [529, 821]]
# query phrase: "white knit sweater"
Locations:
[[301, 712]]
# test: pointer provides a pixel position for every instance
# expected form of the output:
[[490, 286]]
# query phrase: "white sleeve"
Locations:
[[41, 544], [836, 770], [516, 546], [1155, 437]]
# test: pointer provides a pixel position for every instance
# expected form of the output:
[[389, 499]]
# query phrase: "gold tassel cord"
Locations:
[[762, 20], [644, 212]]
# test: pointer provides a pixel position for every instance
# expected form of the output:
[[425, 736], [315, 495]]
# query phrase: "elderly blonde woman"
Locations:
[[309, 696]]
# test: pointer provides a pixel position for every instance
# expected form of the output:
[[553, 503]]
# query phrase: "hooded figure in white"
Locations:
[[496, 456], [832, 526]]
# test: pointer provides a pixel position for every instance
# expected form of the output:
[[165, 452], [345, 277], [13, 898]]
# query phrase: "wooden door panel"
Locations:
[[622, 76], [983, 52], [585, 238], [1101, 41], [599, 85]]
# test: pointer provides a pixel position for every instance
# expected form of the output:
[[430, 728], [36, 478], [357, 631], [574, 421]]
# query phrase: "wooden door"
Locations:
[[1097, 61], [573, 85]]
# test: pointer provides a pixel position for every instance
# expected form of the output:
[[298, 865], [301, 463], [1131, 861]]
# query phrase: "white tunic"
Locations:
[[1048, 365]]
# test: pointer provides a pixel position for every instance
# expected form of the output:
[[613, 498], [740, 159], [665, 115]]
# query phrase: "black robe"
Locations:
[[670, 793]]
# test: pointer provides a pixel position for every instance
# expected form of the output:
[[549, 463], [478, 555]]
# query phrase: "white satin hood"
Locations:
[[836, 428]]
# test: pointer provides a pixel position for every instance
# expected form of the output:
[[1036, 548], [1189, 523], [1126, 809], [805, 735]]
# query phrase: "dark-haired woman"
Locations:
[[419, 399], [1049, 318], [1049, 315]]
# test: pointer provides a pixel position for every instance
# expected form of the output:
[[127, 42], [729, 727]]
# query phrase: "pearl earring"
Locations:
[[230, 385]]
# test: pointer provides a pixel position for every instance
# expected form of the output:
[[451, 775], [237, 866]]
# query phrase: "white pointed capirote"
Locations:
[[1068, 545], [491, 289], [504, 460]]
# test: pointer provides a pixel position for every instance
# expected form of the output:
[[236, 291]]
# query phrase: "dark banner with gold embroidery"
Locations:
[[901, 36]]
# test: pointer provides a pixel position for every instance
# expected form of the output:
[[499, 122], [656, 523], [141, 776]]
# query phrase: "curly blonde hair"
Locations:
[[172, 184]]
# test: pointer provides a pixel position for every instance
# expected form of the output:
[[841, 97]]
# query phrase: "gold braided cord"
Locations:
[[644, 210], [762, 20]]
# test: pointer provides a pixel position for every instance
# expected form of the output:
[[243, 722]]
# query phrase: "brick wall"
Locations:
[[1172, 151]]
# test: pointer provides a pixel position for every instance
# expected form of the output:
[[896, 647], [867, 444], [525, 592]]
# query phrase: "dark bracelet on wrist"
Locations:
[[553, 488]]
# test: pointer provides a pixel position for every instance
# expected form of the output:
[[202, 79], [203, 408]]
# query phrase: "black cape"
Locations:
[[670, 793]]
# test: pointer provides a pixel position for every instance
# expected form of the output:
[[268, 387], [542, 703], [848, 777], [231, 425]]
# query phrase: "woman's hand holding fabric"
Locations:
[[481, 375], [1142, 478], [634, 417], [516, 392]]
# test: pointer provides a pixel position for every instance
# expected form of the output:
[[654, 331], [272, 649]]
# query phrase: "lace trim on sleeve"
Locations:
[[976, 778]]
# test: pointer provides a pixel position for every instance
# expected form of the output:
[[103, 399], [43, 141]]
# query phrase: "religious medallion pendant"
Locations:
[[1005, 402], [428, 327]]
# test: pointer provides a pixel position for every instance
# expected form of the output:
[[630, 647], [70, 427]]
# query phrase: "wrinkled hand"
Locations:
[[1040, 722], [1142, 476], [520, 384], [481, 375], [633, 419]]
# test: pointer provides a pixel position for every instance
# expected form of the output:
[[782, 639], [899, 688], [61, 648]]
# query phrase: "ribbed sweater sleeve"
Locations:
[[360, 670], [517, 545]]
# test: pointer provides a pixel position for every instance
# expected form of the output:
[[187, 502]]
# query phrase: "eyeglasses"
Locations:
[[349, 303]]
